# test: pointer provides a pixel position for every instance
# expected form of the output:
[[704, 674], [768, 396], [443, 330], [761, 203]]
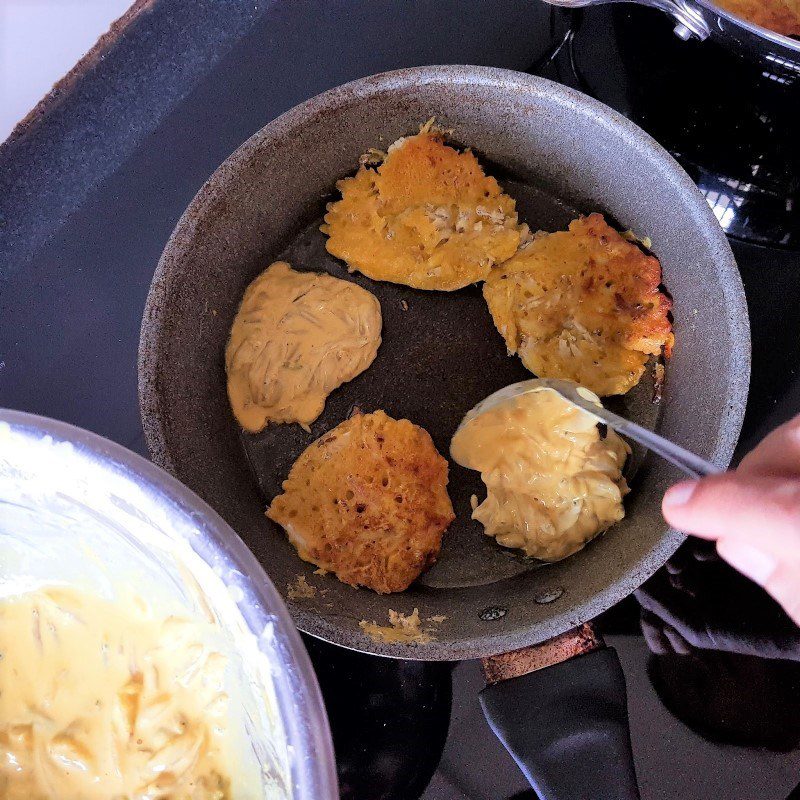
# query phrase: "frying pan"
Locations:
[[779, 55], [558, 153]]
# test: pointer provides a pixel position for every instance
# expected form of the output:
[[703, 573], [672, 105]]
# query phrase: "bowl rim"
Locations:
[[301, 706]]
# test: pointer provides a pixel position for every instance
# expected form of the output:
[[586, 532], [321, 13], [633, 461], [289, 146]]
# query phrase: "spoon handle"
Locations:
[[691, 464]]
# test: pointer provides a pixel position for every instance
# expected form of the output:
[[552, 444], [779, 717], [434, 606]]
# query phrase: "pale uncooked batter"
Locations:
[[102, 699], [552, 481], [296, 338]]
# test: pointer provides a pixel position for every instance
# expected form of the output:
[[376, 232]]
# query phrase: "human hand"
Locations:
[[753, 514], [698, 603]]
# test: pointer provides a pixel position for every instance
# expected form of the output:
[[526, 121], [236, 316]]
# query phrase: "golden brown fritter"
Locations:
[[368, 501], [781, 16], [426, 217], [582, 304]]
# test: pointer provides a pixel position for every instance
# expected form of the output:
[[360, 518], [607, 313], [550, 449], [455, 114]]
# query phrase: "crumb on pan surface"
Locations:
[[582, 304], [402, 628], [368, 501], [300, 589], [423, 214]]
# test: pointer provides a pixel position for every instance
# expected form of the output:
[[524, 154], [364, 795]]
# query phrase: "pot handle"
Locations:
[[560, 709], [690, 22]]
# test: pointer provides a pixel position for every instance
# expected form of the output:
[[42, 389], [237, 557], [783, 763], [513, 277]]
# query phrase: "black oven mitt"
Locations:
[[566, 726]]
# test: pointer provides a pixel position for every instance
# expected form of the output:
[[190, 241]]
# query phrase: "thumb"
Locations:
[[756, 522], [761, 509]]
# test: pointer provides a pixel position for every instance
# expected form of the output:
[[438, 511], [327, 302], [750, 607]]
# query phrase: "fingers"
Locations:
[[764, 511], [671, 611], [678, 644], [703, 552], [679, 582], [653, 633], [661, 637], [756, 522], [778, 454], [780, 578]]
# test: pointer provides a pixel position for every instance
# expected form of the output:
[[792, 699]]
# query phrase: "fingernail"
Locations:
[[679, 495], [750, 561]]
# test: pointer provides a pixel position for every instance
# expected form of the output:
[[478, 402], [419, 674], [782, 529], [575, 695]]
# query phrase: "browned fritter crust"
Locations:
[[582, 304], [368, 501], [426, 217], [781, 16]]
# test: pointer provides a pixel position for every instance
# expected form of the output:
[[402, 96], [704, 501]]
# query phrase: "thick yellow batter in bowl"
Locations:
[[102, 699], [143, 652]]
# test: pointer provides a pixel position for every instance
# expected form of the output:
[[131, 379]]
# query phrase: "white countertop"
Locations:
[[40, 41]]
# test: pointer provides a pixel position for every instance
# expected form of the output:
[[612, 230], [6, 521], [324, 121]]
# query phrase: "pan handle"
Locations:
[[560, 709], [690, 22]]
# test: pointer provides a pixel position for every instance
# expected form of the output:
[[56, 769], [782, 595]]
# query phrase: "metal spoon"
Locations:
[[691, 464]]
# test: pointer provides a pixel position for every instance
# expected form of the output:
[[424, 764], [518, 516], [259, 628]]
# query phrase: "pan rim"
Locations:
[[562, 98]]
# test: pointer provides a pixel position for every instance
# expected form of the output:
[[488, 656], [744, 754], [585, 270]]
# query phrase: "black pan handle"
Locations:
[[565, 722]]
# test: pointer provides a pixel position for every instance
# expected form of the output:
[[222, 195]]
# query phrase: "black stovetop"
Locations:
[[730, 123], [91, 188]]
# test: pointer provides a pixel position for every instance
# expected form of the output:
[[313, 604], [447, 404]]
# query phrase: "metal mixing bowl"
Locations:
[[76, 509]]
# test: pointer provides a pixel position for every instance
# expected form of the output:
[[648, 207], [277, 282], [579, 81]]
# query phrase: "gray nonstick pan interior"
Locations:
[[559, 154]]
